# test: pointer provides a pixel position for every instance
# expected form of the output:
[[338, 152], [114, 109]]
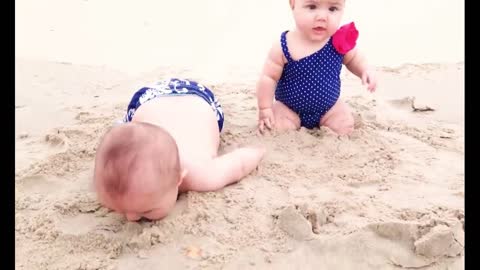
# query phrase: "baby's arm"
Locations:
[[223, 170], [272, 70], [356, 63]]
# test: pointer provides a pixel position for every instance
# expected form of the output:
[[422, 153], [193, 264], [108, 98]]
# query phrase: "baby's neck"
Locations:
[[307, 42], [301, 46]]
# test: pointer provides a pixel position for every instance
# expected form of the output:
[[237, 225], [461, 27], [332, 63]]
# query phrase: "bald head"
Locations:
[[130, 153]]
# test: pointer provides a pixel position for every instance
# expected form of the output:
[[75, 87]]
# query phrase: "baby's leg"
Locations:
[[285, 119], [339, 119]]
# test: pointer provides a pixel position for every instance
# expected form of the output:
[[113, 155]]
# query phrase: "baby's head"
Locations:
[[317, 20], [137, 171]]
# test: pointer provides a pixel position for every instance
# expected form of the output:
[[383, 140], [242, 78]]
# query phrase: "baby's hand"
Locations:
[[370, 79], [254, 153], [266, 118]]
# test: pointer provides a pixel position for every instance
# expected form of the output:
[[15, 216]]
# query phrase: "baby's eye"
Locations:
[[312, 7], [144, 219], [332, 9], [155, 214]]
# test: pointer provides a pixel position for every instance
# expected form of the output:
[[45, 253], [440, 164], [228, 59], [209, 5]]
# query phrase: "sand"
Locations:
[[389, 196]]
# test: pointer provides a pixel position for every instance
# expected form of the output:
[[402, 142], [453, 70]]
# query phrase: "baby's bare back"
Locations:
[[193, 124], [189, 119]]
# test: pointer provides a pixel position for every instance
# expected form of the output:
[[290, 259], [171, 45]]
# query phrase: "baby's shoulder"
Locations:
[[275, 52], [196, 170]]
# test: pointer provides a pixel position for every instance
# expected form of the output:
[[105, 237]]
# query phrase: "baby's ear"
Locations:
[[292, 3], [183, 173]]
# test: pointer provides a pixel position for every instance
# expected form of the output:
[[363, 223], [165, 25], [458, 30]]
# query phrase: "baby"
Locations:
[[168, 144], [303, 69]]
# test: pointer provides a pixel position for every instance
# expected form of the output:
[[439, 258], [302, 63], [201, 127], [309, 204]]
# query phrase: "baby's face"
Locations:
[[318, 20], [147, 200]]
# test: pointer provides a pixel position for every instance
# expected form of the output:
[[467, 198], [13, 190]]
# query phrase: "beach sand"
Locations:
[[389, 196]]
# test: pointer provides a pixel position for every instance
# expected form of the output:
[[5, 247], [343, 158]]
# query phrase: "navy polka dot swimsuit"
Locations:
[[311, 85]]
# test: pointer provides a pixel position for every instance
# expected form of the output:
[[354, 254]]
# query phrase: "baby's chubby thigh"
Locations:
[[339, 118], [285, 118]]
